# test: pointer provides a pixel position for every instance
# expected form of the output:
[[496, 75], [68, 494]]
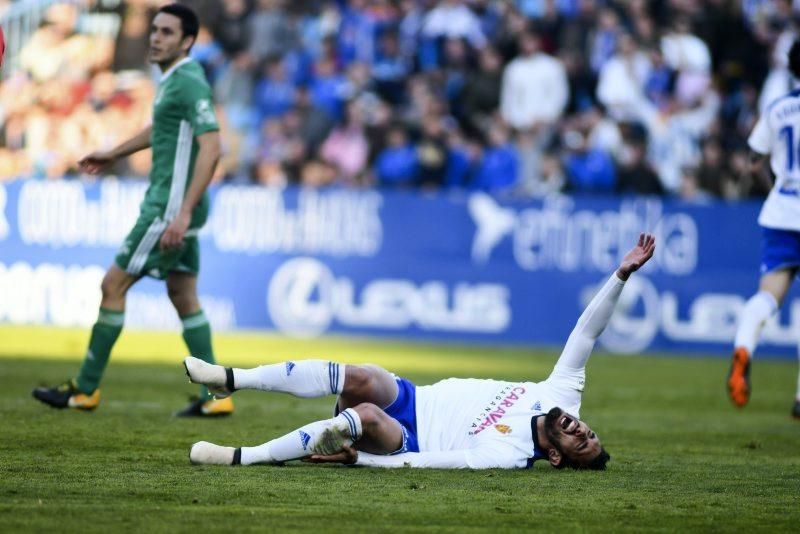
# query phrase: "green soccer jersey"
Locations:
[[182, 110]]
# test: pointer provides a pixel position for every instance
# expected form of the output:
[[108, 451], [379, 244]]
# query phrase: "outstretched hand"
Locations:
[[95, 162], [348, 455], [637, 256]]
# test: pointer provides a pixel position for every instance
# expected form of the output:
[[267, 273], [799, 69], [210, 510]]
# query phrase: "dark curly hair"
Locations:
[[598, 463]]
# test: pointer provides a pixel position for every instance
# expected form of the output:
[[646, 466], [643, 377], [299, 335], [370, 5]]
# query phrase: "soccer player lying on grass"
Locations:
[[386, 421]]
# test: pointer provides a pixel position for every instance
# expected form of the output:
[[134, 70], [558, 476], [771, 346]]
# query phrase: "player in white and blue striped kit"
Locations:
[[777, 135], [386, 421]]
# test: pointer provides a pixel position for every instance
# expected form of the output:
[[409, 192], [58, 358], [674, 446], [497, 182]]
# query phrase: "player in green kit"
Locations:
[[184, 136]]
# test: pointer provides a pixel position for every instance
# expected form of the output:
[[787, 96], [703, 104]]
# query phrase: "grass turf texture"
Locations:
[[682, 457]]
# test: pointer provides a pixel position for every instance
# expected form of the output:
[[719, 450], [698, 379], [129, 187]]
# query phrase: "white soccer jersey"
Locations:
[[777, 132], [481, 424]]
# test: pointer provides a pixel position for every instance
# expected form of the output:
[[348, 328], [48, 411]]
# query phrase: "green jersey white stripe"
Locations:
[[146, 245], [180, 171]]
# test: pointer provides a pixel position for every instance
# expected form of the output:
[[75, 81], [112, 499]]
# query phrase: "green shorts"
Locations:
[[141, 254]]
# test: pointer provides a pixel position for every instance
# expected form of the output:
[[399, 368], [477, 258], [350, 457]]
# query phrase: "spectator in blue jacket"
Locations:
[[589, 170], [498, 170], [396, 165]]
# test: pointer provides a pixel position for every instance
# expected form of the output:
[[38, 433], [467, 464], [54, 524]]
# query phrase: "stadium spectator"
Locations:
[[396, 164], [535, 90], [635, 175], [497, 171], [347, 146], [712, 174], [271, 31], [452, 19], [231, 28], [390, 68], [623, 78], [589, 170], [690, 190], [605, 40], [481, 94], [689, 56], [433, 154]]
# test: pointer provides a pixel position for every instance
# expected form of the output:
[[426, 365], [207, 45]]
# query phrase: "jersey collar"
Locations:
[[173, 68], [538, 453]]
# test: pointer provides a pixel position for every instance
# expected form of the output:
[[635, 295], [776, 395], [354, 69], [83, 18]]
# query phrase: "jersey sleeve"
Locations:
[[199, 108], [760, 139], [458, 459]]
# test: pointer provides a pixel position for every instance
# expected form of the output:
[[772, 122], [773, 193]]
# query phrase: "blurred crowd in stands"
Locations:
[[518, 97]]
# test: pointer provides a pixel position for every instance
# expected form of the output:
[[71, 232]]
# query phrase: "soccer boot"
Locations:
[[207, 408], [739, 377], [207, 453], [796, 409], [67, 395], [218, 379]]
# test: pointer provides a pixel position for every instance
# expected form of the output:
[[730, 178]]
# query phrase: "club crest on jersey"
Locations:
[[205, 113], [289, 367], [304, 439], [503, 429], [537, 406]]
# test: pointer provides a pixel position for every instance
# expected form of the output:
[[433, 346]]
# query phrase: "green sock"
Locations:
[[197, 335], [104, 334]]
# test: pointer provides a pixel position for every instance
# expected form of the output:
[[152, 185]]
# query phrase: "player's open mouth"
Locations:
[[567, 423]]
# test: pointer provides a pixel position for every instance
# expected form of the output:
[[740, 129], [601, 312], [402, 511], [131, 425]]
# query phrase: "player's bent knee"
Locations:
[[368, 383], [370, 414], [358, 381]]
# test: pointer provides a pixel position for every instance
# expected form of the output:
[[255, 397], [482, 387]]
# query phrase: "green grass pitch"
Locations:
[[682, 457]]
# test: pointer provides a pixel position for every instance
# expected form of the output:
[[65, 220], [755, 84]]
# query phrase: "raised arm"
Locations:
[[569, 375], [95, 162]]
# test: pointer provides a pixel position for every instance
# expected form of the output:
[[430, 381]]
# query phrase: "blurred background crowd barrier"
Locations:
[[464, 267]]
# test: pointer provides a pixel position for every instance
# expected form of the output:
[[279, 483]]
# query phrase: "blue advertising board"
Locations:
[[458, 266]]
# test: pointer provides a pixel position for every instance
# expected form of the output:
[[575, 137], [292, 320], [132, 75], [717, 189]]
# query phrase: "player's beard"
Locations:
[[550, 422]]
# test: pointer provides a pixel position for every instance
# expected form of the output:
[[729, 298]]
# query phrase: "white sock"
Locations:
[[307, 440], [304, 378], [756, 312]]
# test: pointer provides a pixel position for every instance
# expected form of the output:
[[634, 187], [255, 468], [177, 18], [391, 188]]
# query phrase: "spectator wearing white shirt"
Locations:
[[689, 56], [452, 19], [622, 80], [535, 90]]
